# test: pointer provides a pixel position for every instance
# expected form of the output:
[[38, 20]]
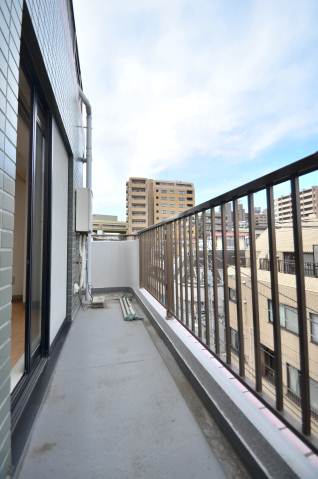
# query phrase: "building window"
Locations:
[[232, 295], [138, 180], [268, 363], [234, 341], [288, 316], [313, 327], [138, 190], [138, 221], [137, 213], [293, 388]]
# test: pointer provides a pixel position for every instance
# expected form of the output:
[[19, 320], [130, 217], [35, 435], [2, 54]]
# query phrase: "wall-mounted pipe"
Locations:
[[89, 186]]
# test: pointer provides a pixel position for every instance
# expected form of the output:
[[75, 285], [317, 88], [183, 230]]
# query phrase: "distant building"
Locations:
[[260, 218], [108, 225], [308, 205], [287, 310], [151, 201]]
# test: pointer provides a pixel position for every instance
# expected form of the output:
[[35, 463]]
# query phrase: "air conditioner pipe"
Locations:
[[89, 186]]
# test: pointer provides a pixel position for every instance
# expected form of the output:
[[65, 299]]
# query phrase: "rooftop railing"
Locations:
[[204, 287], [289, 267]]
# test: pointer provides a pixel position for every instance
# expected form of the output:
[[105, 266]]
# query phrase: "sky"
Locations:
[[211, 91]]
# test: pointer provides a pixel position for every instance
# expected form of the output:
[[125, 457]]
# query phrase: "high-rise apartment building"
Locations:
[[308, 205], [151, 201]]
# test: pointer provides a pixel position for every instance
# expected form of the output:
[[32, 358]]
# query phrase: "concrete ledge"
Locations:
[[266, 446]]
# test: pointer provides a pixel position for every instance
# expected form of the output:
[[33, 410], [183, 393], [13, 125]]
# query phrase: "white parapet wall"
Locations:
[[115, 264]]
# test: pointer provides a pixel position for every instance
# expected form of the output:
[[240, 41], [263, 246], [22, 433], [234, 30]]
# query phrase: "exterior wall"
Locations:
[[10, 31], [51, 22], [289, 340], [160, 200], [138, 198], [288, 297], [171, 198], [115, 264], [308, 205]]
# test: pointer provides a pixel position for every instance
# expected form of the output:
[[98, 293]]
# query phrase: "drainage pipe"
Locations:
[[88, 108]]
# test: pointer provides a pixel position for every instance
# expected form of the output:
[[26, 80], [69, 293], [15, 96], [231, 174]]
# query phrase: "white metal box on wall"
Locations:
[[83, 210]]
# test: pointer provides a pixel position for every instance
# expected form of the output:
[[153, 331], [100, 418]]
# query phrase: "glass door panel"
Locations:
[[37, 239]]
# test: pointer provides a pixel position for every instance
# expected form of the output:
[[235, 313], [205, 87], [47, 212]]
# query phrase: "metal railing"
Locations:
[[184, 268], [289, 267]]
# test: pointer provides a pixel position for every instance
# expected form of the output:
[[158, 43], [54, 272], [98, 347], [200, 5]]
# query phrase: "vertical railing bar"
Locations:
[[254, 291], [186, 270], [197, 259], [275, 298], [226, 288], [151, 262], [301, 308], [176, 245], [181, 272], [161, 266], [172, 256], [215, 286], [157, 261], [239, 311], [191, 273], [206, 284], [140, 260], [146, 261], [158, 264], [164, 269], [154, 261], [169, 289]]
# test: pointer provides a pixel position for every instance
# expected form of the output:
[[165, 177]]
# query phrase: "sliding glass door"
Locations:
[[38, 212], [31, 259]]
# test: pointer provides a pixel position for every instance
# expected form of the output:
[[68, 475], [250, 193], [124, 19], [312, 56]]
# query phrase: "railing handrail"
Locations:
[[298, 168]]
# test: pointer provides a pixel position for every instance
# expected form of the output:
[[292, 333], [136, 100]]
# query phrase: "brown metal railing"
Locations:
[[184, 266]]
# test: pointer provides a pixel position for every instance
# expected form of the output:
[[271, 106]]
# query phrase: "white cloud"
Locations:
[[171, 80]]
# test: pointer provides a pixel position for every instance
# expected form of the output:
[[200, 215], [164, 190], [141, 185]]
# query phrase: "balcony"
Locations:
[[206, 385], [289, 267]]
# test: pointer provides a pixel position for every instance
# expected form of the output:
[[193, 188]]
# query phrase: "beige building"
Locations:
[[151, 201], [308, 205], [288, 316]]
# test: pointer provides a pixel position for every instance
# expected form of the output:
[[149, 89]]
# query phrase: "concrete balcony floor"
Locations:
[[119, 407]]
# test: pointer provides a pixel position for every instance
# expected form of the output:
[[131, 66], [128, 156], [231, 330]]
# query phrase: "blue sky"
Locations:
[[212, 91]]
